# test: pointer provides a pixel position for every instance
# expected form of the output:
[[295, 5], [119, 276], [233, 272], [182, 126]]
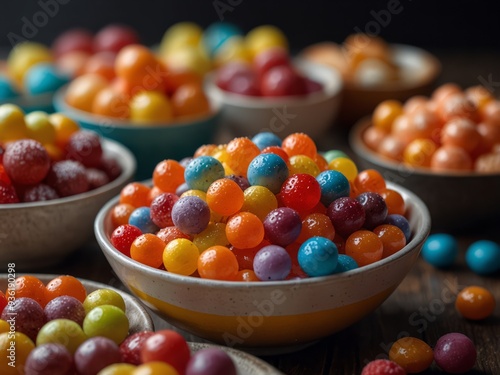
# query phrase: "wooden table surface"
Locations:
[[422, 306]]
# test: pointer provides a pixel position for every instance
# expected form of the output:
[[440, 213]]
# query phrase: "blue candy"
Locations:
[[7, 89], [440, 250], [202, 171], [318, 256], [217, 34], [333, 185], [268, 170], [483, 257], [402, 223], [345, 263], [141, 218], [42, 78], [266, 139], [334, 154]]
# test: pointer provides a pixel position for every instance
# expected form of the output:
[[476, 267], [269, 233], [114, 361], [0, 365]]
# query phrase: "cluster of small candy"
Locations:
[[60, 329], [260, 209], [453, 130], [44, 157]]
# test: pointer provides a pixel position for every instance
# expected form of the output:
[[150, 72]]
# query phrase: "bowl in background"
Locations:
[[149, 143], [455, 200], [139, 319], [419, 68], [37, 234], [314, 113], [30, 103], [267, 317]]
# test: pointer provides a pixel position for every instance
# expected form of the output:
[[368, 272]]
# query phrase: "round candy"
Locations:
[[166, 346], [333, 185], [130, 348], [282, 81], [179, 35], [141, 218], [213, 235], [83, 90], [345, 263], [62, 331], [475, 303], [450, 157], [334, 154], [244, 230], [259, 200], [266, 139], [392, 238], [191, 214], [272, 263], [42, 78], [212, 361], [202, 171], [29, 316], [107, 321], [412, 354], [65, 307], [440, 250], [7, 89], [316, 224], [383, 366], [369, 180], [95, 354], [217, 34], [268, 170], [301, 192], [225, 197], [364, 247], [455, 353], [375, 209], [148, 249], [150, 107], [49, 359], [483, 257], [113, 38], [181, 257], [265, 37], [344, 165], [402, 223], [26, 162], [161, 209], [101, 297], [240, 152], [218, 263], [65, 285], [282, 226], [347, 215], [318, 256], [385, 114], [168, 175], [303, 164]]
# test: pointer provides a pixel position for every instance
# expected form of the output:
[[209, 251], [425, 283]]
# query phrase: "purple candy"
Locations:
[[65, 307], [402, 223], [282, 226], [455, 353], [95, 354], [191, 215], [49, 359], [211, 361], [272, 263], [240, 180], [375, 209], [29, 316], [347, 215]]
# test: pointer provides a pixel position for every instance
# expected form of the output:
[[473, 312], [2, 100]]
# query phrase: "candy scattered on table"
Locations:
[[455, 353], [244, 211], [412, 354], [383, 367], [47, 157], [475, 303], [454, 130], [440, 250]]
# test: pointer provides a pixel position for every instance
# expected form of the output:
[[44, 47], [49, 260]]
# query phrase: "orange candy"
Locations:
[[177, 78], [364, 247], [205, 150], [246, 275], [299, 144], [316, 224], [241, 151], [412, 354], [121, 213], [102, 63], [31, 287], [244, 230], [168, 234], [218, 263], [385, 113], [419, 152], [83, 90], [373, 136], [112, 103], [369, 180], [65, 285], [135, 194], [457, 105], [461, 132], [444, 91], [168, 175], [225, 197], [148, 249], [394, 201], [391, 147], [475, 303], [393, 238], [451, 158], [190, 100]]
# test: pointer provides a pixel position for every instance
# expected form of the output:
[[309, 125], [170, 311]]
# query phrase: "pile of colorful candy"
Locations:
[[60, 329], [260, 209], [45, 157], [453, 130], [271, 74], [454, 353], [362, 59]]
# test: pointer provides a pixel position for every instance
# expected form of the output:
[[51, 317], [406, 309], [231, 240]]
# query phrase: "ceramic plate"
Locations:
[[246, 364], [139, 319]]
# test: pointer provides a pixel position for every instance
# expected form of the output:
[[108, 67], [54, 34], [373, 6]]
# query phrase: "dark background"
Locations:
[[433, 24]]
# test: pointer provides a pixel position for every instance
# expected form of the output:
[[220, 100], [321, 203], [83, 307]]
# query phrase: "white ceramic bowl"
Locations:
[[139, 319], [267, 317], [38, 234], [246, 116]]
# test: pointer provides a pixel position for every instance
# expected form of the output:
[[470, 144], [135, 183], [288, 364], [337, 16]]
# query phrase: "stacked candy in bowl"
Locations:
[[271, 212]]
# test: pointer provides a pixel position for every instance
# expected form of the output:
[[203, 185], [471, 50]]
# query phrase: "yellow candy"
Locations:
[[264, 37], [4, 326], [180, 35], [117, 369], [188, 58], [24, 56], [303, 164], [155, 368], [64, 127], [39, 127], [345, 166], [214, 234], [259, 201], [12, 125], [180, 256], [234, 49], [150, 107], [419, 152], [22, 345]]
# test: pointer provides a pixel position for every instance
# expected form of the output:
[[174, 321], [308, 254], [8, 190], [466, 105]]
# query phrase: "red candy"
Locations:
[[123, 237], [68, 177], [26, 162], [383, 367]]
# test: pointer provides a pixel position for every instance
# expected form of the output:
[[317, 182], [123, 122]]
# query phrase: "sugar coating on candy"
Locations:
[[40, 192], [383, 367], [68, 177], [65, 307], [268, 170], [96, 178], [29, 316], [191, 214], [455, 353], [272, 263], [85, 147], [111, 167], [202, 171], [26, 162], [282, 226], [161, 209], [7, 193]]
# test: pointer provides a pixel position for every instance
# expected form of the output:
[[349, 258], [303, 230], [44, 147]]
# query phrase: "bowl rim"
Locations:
[[417, 239], [113, 123], [27, 100], [332, 87], [127, 162], [363, 151], [435, 68]]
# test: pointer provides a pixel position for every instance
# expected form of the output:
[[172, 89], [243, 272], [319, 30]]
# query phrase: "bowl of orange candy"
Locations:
[[445, 148], [157, 112]]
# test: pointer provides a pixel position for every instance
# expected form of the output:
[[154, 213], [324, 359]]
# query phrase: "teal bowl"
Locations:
[[149, 143]]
